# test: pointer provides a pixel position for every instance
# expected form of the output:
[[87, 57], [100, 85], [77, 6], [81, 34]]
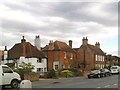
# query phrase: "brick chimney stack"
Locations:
[[23, 46], [23, 40], [97, 44], [84, 41], [70, 43]]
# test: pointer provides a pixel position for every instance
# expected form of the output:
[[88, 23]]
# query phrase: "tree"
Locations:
[[24, 68]]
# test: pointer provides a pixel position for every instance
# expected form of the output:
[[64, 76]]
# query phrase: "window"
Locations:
[[103, 58], [96, 57], [39, 60], [64, 55], [45, 69], [7, 70], [56, 67], [39, 69], [71, 56]]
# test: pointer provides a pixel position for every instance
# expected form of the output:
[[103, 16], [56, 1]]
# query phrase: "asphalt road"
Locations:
[[78, 82], [75, 82]]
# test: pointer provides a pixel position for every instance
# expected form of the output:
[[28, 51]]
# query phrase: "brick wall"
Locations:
[[59, 56]]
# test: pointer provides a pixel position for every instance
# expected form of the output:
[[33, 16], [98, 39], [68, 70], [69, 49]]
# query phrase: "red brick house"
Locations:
[[1, 55], [60, 55], [90, 56]]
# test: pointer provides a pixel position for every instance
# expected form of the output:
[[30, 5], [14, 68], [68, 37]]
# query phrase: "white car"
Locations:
[[115, 70], [9, 77]]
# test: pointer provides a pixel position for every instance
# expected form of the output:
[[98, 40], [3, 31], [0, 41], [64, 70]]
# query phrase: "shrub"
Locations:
[[107, 67], [75, 71], [24, 68], [66, 73], [51, 73]]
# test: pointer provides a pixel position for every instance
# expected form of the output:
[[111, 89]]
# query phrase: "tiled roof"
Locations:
[[1, 54], [76, 49], [58, 45], [24, 49], [95, 49]]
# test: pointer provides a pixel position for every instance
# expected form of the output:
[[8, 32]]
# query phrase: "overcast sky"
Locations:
[[61, 21]]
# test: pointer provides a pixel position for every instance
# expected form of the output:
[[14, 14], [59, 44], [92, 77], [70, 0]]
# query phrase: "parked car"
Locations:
[[95, 74], [9, 77], [106, 72], [115, 69]]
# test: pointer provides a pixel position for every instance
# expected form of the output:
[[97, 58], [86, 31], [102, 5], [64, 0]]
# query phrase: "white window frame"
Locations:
[[71, 56], [65, 56], [96, 57]]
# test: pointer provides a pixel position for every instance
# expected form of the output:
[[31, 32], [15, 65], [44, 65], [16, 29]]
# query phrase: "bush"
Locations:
[[75, 71], [66, 73], [107, 67], [51, 73], [24, 68]]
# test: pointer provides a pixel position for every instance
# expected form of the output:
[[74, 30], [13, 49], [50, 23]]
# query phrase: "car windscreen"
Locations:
[[113, 67]]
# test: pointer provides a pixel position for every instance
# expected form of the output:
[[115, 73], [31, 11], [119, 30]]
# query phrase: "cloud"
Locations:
[[58, 21]]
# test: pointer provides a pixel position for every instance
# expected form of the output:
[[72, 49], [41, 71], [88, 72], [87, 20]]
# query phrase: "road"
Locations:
[[78, 82]]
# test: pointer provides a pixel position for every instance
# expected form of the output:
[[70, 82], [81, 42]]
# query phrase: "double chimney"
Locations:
[[97, 44], [85, 42]]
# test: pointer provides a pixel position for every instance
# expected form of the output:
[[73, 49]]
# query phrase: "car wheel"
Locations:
[[89, 77], [106, 75], [14, 84], [3, 87]]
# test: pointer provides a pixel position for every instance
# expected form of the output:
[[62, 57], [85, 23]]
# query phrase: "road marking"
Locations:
[[107, 86]]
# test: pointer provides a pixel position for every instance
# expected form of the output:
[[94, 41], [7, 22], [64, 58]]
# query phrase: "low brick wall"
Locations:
[[30, 76]]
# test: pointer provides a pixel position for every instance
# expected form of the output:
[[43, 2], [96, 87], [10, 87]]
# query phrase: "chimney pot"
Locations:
[[23, 40], [70, 43], [84, 41], [5, 48]]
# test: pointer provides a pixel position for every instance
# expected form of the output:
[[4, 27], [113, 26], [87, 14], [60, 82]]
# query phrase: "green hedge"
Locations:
[[67, 73]]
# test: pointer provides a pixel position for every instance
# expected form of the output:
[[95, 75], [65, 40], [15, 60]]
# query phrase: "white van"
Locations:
[[115, 70], [9, 77]]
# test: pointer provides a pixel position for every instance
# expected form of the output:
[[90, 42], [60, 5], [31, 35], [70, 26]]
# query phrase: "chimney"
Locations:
[[70, 43], [51, 45], [37, 42], [5, 48], [23, 40], [23, 46], [97, 44], [84, 41], [5, 55], [51, 42]]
